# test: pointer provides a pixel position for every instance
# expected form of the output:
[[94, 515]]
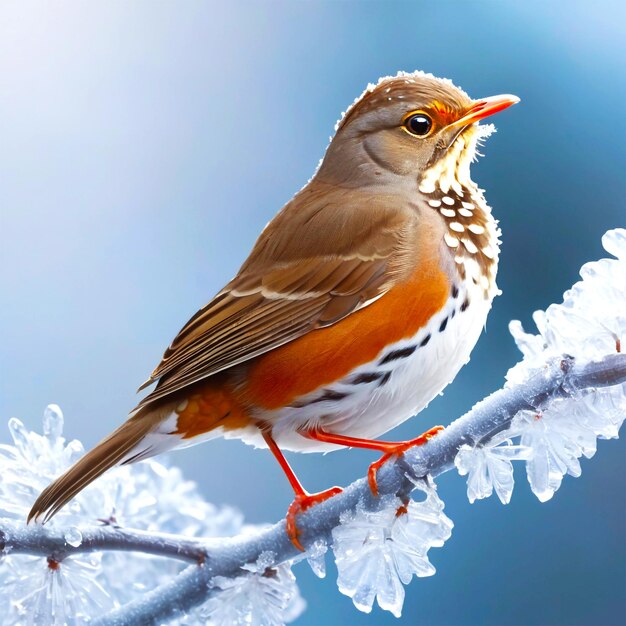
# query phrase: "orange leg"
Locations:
[[388, 448], [303, 499]]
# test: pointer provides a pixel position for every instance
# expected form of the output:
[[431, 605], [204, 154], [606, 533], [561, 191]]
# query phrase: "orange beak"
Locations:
[[484, 108]]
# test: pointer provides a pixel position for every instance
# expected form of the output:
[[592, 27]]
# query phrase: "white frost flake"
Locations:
[[37, 592], [378, 551], [590, 324], [591, 321], [264, 595], [489, 467], [566, 430], [147, 496]]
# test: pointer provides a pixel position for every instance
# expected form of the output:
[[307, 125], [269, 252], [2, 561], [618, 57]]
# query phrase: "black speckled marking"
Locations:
[[384, 379], [425, 340], [455, 291], [328, 394], [465, 304], [366, 378], [443, 325], [398, 354]]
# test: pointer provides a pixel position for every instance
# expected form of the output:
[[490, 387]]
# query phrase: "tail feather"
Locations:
[[109, 452]]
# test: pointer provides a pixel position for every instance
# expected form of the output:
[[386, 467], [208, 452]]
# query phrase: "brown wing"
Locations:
[[292, 284]]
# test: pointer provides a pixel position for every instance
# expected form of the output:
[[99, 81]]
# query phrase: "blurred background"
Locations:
[[144, 145]]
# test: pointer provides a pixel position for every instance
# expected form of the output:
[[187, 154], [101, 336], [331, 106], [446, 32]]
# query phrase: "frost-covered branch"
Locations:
[[226, 557], [39, 540], [567, 392], [488, 417]]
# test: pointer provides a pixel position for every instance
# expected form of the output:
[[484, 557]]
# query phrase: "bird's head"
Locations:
[[408, 125]]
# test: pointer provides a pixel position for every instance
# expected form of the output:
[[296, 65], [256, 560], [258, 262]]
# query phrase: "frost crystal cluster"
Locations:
[[148, 496], [588, 325], [377, 552], [264, 595], [591, 321]]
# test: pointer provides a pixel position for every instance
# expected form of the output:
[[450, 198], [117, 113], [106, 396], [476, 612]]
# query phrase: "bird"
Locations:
[[359, 302]]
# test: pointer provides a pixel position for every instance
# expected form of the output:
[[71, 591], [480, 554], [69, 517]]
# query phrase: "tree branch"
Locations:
[[40, 540], [226, 556]]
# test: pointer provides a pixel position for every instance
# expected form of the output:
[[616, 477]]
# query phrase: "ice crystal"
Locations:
[[589, 324], [315, 556], [38, 591], [159, 498], [153, 497], [148, 496], [32, 462], [73, 536], [566, 430], [378, 551], [490, 467], [591, 321], [264, 595]]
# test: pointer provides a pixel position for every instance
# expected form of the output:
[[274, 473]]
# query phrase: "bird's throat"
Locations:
[[472, 234], [452, 169]]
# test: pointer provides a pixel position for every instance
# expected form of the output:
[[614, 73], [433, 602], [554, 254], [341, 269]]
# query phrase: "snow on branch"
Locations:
[[128, 565]]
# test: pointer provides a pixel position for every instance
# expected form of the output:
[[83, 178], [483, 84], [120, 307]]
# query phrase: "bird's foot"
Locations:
[[396, 450], [301, 503]]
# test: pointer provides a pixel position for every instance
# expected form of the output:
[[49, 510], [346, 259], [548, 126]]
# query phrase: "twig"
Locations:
[[225, 557], [41, 540]]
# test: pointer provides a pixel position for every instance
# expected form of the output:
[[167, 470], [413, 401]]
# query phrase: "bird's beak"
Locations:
[[484, 108]]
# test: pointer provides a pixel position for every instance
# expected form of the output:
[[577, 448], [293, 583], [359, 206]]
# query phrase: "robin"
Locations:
[[358, 304]]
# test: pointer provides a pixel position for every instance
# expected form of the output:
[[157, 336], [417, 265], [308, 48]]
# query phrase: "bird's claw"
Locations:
[[301, 503], [397, 450]]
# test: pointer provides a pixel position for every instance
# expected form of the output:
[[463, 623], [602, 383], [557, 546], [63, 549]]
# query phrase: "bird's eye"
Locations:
[[419, 124]]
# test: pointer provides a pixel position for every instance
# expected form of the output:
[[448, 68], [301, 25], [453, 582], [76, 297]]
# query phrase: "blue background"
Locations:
[[144, 145]]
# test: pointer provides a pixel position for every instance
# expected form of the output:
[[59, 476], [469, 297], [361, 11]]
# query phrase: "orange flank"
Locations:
[[324, 356], [274, 380], [211, 405]]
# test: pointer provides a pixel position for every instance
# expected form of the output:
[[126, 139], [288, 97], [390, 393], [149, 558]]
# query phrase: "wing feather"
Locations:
[[283, 292]]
